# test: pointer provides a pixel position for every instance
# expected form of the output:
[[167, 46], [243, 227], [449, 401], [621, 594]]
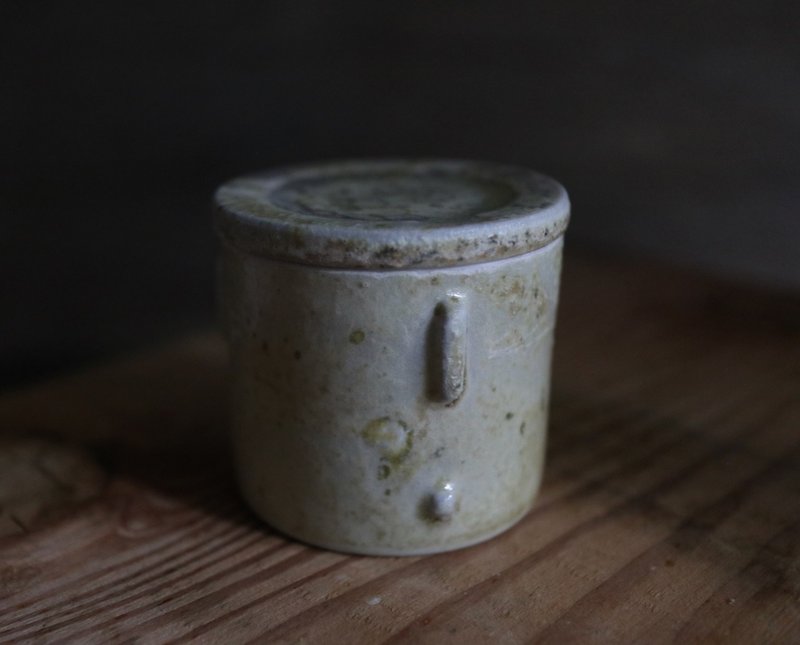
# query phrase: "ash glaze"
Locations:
[[390, 411], [394, 197], [392, 214]]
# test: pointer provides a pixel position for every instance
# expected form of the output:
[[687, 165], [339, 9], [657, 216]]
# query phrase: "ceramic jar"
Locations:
[[390, 327]]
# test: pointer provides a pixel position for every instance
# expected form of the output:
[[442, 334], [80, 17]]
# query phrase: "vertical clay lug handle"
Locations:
[[448, 355]]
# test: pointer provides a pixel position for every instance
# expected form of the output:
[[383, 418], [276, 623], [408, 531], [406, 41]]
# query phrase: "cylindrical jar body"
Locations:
[[390, 411]]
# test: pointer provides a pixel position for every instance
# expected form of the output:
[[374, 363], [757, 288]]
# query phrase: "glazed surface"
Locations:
[[392, 214], [341, 436]]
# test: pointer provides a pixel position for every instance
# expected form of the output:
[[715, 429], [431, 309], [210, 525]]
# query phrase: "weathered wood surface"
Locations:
[[670, 510]]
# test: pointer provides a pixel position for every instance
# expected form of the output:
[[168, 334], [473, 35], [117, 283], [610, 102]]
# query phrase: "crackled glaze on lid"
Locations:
[[392, 214]]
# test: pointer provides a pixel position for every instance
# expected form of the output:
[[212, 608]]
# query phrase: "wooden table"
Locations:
[[670, 509]]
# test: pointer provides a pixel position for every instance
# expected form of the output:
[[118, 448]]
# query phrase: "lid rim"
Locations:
[[538, 215]]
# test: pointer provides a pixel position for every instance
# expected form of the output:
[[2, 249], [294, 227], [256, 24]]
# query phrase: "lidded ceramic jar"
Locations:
[[390, 327]]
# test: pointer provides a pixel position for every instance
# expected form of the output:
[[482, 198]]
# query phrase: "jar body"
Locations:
[[390, 412]]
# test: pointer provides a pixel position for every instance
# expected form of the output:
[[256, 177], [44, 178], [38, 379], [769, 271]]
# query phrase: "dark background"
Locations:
[[675, 127]]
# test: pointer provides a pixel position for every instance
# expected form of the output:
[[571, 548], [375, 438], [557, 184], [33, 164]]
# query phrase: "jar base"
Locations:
[[388, 551]]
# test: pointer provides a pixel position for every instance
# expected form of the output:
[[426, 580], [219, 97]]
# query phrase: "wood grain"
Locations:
[[670, 510]]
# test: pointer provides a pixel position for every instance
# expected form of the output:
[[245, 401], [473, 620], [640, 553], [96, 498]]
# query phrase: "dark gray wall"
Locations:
[[675, 126]]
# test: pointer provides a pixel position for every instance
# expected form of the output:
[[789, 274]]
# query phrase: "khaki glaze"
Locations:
[[397, 411]]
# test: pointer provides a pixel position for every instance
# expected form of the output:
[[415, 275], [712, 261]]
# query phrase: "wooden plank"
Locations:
[[670, 510]]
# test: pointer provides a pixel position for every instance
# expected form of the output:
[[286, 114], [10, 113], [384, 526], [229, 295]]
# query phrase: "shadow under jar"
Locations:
[[390, 327]]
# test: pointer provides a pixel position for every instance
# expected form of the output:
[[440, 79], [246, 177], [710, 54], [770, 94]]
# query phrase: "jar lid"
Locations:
[[392, 214]]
